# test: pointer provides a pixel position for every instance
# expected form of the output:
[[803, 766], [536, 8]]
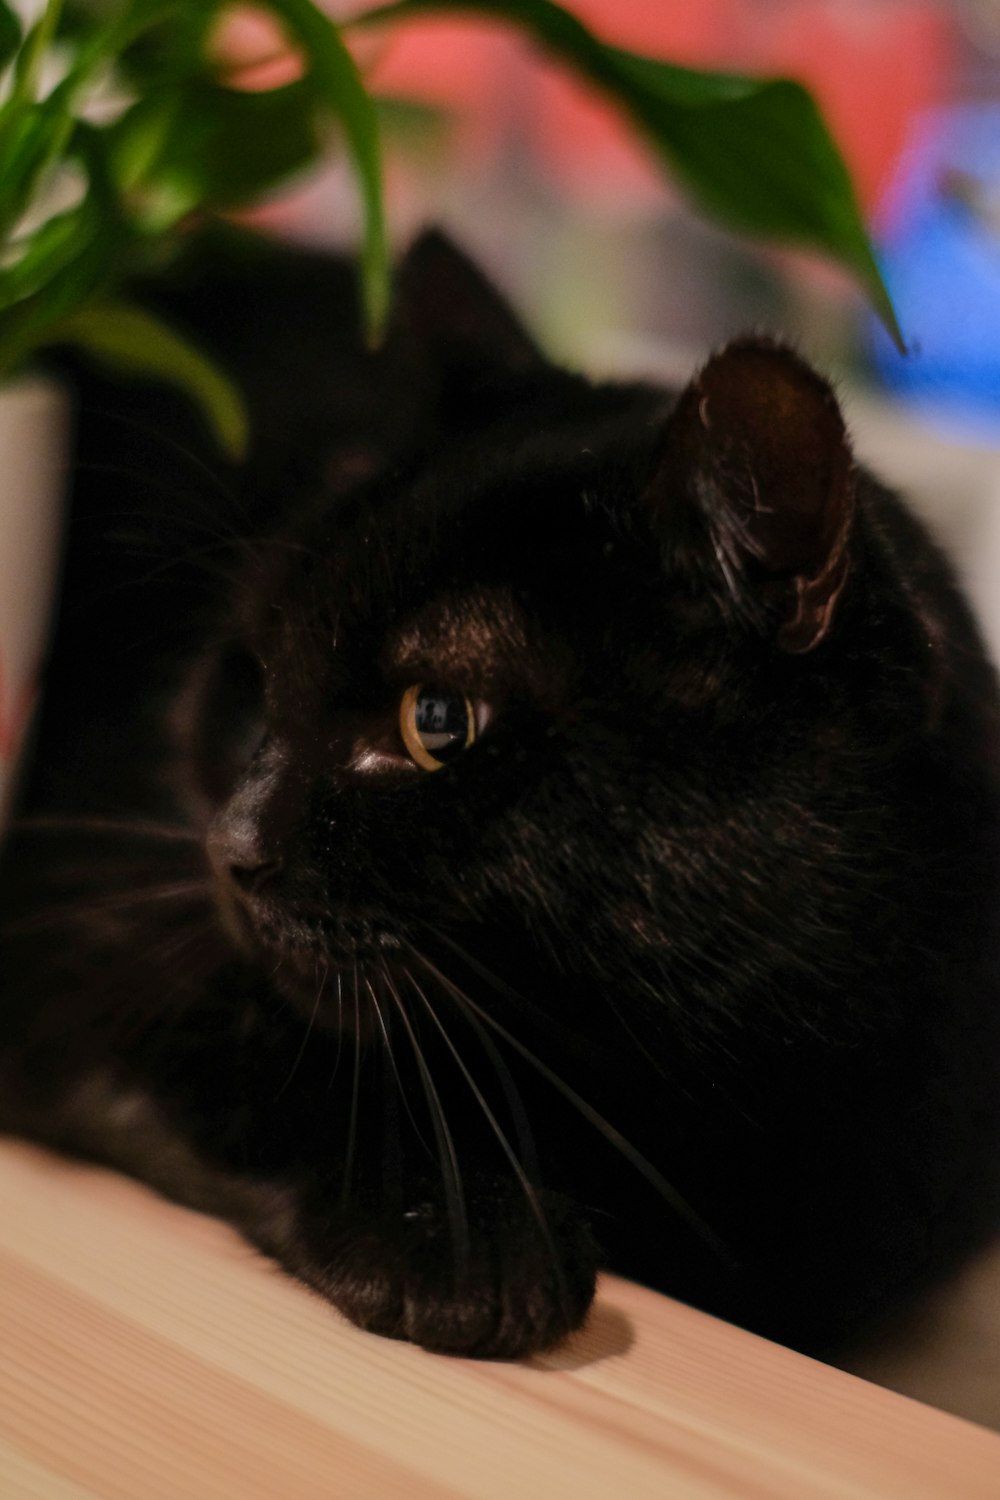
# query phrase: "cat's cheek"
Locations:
[[232, 917], [216, 724]]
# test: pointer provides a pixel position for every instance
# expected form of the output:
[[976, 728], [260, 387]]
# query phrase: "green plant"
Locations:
[[119, 128]]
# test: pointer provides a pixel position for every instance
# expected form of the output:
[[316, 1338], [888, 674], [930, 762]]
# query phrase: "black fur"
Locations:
[[687, 966]]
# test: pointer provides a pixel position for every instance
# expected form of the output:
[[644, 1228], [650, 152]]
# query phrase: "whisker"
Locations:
[[168, 441], [352, 1129], [146, 895], [340, 1031], [615, 1138], [386, 1037], [127, 1014], [46, 823], [393, 1184], [548, 1023], [522, 1124], [138, 475], [211, 557], [458, 1220], [537, 1017], [117, 903], [527, 1187], [308, 1033]]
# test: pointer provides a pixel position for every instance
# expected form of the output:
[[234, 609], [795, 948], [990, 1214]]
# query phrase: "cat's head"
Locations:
[[573, 683]]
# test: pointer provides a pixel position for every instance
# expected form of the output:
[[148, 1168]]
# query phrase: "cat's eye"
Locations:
[[436, 725]]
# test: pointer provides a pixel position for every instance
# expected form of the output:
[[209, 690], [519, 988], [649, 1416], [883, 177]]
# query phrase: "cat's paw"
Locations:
[[513, 1288]]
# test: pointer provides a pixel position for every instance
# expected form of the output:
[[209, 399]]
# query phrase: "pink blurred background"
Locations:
[[872, 65], [553, 192], [569, 210], [616, 273]]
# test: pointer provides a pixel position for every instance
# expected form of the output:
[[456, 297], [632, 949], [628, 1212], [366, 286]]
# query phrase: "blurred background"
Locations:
[[553, 193]]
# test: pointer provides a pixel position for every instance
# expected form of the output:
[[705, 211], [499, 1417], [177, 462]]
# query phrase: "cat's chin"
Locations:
[[336, 997], [337, 981], [344, 991]]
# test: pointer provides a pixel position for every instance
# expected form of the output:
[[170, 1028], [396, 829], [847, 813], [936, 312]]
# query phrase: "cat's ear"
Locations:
[[447, 305], [755, 489]]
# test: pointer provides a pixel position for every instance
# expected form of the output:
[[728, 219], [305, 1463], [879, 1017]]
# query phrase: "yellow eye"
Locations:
[[436, 725]]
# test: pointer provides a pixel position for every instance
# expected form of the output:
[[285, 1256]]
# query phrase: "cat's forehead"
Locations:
[[476, 565], [449, 632]]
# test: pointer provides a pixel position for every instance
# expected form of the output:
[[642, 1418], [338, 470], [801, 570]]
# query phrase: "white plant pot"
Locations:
[[34, 431]]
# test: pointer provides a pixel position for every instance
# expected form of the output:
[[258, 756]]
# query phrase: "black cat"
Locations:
[[520, 826]]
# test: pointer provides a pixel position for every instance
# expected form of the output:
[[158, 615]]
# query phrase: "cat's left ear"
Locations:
[[446, 304], [755, 489]]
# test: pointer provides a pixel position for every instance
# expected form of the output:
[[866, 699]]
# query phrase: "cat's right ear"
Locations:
[[447, 307], [754, 491]]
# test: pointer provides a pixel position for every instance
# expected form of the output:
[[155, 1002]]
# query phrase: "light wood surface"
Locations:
[[146, 1354]]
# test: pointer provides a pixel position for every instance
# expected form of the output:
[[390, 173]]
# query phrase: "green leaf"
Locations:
[[33, 138], [137, 140], [333, 71], [162, 44], [44, 254], [70, 280], [130, 339], [757, 156], [31, 55], [753, 153], [10, 33], [67, 259], [212, 147], [111, 33]]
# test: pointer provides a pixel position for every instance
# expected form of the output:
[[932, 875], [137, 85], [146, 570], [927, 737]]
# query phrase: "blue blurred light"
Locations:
[[940, 254]]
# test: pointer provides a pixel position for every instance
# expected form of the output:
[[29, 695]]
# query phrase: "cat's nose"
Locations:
[[236, 852], [250, 878]]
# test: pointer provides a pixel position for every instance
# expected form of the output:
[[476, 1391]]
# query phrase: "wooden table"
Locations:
[[147, 1354]]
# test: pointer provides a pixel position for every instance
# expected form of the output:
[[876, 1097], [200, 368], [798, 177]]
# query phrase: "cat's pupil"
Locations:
[[442, 723]]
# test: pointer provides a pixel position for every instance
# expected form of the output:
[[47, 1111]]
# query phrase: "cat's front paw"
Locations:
[[511, 1285]]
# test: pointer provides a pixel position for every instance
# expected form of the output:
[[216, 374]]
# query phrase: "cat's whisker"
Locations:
[[228, 555], [170, 891], [42, 823], [515, 1104], [352, 1130], [526, 1185], [149, 481], [190, 944], [187, 958], [268, 544], [171, 444], [390, 1054], [340, 1032], [622, 1019], [117, 903], [458, 1219], [255, 550], [503, 988], [614, 1137], [118, 869], [528, 1007], [320, 987], [212, 557], [174, 520]]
